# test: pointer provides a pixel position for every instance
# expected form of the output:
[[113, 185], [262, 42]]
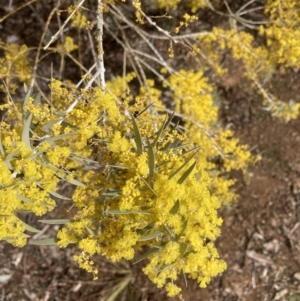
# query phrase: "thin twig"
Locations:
[[162, 78], [152, 23], [118, 13], [100, 60], [87, 86], [85, 75], [54, 37], [171, 70], [132, 61], [92, 46], [17, 9], [239, 11], [237, 16], [137, 62], [62, 55]]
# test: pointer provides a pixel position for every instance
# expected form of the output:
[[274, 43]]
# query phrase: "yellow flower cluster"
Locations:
[[167, 4], [285, 111], [148, 199], [155, 187], [67, 47], [194, 5], [193, 95], [14, 65], [105, 2], [142, 181], [188, 19], [79, 20], [86, 263], [259, 62], [283, 32], [25, 184], [40, 150]]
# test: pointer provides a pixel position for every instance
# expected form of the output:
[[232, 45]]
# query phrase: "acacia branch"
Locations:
[[54, 37], [100, 60]]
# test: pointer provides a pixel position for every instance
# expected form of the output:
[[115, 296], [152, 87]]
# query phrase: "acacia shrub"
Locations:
[[143, 181]]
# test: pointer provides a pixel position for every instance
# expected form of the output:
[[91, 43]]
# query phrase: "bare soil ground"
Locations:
[[260, 238]]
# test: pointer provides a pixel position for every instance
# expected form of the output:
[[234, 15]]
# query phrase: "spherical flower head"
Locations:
[[172, 289]]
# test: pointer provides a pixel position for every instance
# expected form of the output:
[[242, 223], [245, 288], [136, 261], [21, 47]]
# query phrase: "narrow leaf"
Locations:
[[183, 165], [151, 236], [25, 88], [137, 137], [111, 194], [91, 232], [35, 154], [171, 145], [37, 99], [159, 133], [44, 242], [145, 229], [24, 198], [1, 147], [28, 94], [60, 137], [67, 124], [25, 235], [46, 127], [150, 188], [119, 289], [165, 125], [75, 182], [140, 113], [169, 120], [163, 267], [149, 252], [59, 195], [62, 221], [175, 207], [184, 225], [167, 146], [151, 158], [9, 158], [176, 125], [183, 248], [29, 228], [26, 132], [187, 173]]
